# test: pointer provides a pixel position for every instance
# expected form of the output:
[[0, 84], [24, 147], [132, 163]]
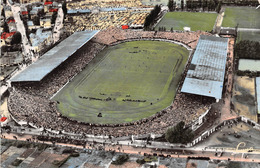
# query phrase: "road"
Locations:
[[135, 148], [218, 22], [58, 26], [20, 27], [4, 110], [226, 111]]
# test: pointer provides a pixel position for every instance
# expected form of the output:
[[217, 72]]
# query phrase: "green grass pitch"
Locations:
[[248, 35], [245, 17], [194, 20], [140, 70]]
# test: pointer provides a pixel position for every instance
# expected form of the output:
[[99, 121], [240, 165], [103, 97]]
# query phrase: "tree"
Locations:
[[204, 4], [192, 5], [29, 8], [121, 159], [5, 48], [16, 39], [219, 7], [182, 5], [171, 5], [26, 28], [199, 3], [3, 13], [6, 28], [53, 17], [151, 17], [179, 134], [247, 49], [64, 8], [188, 5], [36, 20], [41, 13], [174, 6], [236, 29], [211, 5]]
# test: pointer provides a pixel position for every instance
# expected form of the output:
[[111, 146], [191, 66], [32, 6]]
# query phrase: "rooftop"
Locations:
[[30, 23], [53, 58], [207, 69], [39, 37], [227, 32], [5, 35]]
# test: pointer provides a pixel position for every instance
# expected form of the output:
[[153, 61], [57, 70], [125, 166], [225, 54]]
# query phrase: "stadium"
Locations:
[[103, 82]]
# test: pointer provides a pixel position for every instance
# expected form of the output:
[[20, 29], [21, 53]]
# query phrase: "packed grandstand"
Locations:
[[30, 102]]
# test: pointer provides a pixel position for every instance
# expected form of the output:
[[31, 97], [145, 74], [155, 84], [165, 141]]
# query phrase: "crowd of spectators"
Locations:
[[31, 102], [102, 20], [113, 35], [89, 4]]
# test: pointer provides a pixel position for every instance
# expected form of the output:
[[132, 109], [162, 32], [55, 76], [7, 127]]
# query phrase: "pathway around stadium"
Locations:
[[218, 22], [4, 110], [176, 152], [226, 112]]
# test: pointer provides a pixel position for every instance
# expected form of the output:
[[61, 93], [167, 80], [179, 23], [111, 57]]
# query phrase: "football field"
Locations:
[[248, 35], [194, 20], [124, 83], [244, 17]]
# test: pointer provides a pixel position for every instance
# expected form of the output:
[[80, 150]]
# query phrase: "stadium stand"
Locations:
[[29, 102], [53, 58], [113, 35], [207, 69], [106, 19], [92, 4]]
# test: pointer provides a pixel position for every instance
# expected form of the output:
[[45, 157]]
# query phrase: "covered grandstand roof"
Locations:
[[257, 81], [54, 57], [207, 69]]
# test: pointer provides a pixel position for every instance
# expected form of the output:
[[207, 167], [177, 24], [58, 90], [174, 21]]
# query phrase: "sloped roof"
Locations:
[[39, 37], [207, 69], [5, 35], [54, 57]]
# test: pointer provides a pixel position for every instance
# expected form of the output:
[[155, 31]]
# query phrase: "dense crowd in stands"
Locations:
[[103, 20], [89, 4], [31, 102], [113, 35]]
